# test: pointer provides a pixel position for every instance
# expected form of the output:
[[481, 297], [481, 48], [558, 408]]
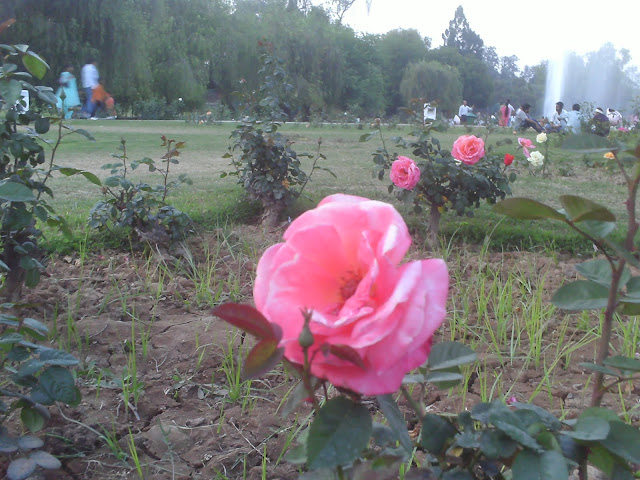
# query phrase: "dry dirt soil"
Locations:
[[186, 423]]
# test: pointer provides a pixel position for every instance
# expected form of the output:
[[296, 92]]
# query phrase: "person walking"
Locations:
[[90, 80], [69, 87]]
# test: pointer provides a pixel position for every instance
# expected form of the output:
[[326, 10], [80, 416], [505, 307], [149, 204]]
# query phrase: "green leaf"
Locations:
[[383, 435], [549, 465], [51, 356], [84, 133], [10, 91], [527, 209], [444, 379], [445, 355], [32, 419], [338, 434], [599, 271], [598, 368], [579, 209], [21, 468], [581, 295], [46, 95], [42, 125], [544, 416], [247, 318], [263, 357], [16, 192], [436, 433], [67, 171], [45, 460], [625, 364], [58, 383], [36, 325], [29, 442], [34, 64], [495, 444], [597, 229], [589, 429], [623, 440], [396, 420]]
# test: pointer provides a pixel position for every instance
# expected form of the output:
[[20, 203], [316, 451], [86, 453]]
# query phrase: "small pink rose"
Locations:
[[405, 173], [469, 149], [341, 261], [526, 144]]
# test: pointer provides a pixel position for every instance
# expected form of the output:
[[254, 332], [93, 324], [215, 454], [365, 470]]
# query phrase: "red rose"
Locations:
[[508, 159]]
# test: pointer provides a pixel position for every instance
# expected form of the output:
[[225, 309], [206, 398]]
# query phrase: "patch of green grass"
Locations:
[[212, 200]]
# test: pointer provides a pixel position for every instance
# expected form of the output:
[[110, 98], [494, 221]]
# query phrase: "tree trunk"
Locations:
[[434, 226], [12, 290]]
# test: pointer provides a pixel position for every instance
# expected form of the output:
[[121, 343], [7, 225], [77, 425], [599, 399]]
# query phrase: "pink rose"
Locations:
[[468, 149], [405, 173], [526, 144], [341, 261]]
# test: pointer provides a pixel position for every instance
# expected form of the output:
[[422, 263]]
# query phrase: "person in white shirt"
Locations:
[[574, 119], [463, 111], [558, 120], [90, 79], [615, 117]]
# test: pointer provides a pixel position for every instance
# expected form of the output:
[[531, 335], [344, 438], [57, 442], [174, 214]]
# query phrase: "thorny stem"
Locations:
[[306, 378], [607, 326]]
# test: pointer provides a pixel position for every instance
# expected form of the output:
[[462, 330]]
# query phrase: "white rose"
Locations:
[[541, 138], [536, 159]]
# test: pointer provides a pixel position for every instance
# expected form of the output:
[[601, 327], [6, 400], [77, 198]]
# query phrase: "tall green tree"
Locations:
[[460, 36], [399, 48], [436, 82]]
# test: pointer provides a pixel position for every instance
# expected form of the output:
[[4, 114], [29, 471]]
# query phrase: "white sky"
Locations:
[[532, 30]]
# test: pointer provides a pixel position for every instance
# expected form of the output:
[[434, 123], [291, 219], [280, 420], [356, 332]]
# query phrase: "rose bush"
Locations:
[[469, 149], [340, 261], [404, 173]]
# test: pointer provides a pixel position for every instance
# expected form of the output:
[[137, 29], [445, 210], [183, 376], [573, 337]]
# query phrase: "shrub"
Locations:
[[140, 207]]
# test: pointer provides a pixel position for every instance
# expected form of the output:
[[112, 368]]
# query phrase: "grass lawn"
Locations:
[[212, 198]]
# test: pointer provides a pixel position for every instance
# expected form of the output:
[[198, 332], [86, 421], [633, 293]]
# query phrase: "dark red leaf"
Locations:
[[247, 318], [263, 357], [344, 352]]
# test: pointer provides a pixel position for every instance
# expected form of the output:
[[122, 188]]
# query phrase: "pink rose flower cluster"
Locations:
[[405, 173], [341, 261], [468, 149]]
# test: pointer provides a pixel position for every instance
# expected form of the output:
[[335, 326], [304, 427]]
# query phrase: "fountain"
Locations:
[[596, 79]]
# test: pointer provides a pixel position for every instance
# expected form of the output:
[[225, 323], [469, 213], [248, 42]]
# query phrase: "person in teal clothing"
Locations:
[[69, 86]]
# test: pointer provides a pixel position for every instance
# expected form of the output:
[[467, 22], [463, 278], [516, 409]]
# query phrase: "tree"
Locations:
[[438, 83], [399, 48], [460, 36], [477, 82]]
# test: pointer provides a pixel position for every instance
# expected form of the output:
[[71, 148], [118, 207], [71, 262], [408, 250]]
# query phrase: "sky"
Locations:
[[533, 31]]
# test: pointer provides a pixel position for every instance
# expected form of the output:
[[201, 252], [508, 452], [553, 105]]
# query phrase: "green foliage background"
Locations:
[[204, 50]]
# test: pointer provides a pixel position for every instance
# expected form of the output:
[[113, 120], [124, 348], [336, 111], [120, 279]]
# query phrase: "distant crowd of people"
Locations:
[[96, 98], [561, 120]]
